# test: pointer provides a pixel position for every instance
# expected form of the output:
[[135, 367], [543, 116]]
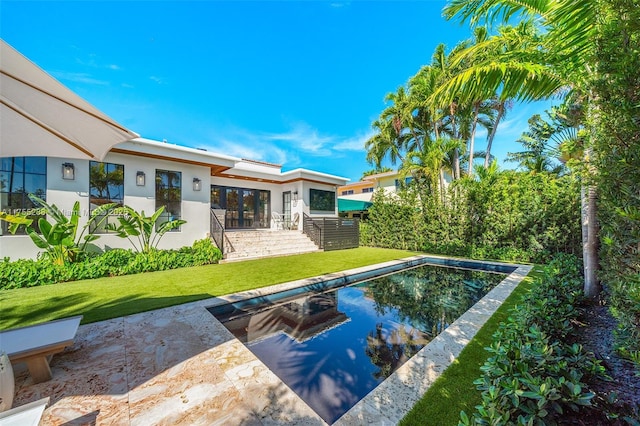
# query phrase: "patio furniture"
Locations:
[[294, 222], [278, 220], [25, 415], [36, 344]]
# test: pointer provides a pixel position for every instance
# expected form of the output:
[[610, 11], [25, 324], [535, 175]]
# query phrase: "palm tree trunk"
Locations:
[[472, 139], [456, 152], [487, 156], [442, 183], [589, 241]]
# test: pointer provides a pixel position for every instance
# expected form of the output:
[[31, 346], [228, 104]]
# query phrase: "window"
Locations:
[[106, 185], [406, 182], [349, 192], [322, 200], [19, 177], [169, 195], [365, 190]]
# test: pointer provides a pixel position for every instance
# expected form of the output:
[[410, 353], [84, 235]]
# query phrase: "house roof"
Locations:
[[222, 165]]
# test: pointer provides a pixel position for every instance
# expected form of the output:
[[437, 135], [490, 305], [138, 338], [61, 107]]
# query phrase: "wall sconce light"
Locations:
[[295, 195], [68, 171], [197, 184], [140, 178]]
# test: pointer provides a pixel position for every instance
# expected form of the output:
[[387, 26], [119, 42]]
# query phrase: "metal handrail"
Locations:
[[217, 231], [312, 230]]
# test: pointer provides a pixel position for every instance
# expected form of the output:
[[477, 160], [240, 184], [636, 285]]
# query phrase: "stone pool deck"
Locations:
[[180, 366]]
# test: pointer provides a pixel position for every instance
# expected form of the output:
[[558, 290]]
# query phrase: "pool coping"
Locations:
[[392, 399]]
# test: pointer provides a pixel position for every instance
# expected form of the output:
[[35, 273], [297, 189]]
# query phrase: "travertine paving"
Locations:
[[180, 366]]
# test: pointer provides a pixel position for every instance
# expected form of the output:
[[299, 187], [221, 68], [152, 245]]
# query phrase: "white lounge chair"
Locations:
[[36, 344], [25, 415]]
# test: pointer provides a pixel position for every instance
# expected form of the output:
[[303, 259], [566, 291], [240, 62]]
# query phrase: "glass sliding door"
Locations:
[[264, 209], [246, 208], [233, 209], [286, 209]]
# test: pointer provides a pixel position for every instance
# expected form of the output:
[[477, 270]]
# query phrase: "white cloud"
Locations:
[[157, 79], [114, 67], [78, 77], [304, 137], [286, 148], [355, 143]]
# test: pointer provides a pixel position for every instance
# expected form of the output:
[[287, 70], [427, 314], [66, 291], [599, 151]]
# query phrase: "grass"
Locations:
[[454, 390], [112, 297]]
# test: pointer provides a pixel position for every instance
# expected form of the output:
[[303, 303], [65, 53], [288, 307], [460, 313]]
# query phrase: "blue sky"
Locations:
[[296, 83]]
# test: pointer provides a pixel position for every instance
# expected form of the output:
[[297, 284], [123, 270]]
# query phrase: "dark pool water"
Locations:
[[332, 347]]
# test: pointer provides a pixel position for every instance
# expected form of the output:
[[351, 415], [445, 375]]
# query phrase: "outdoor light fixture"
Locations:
[[197, 184], [68, 171], [140, 178], [295, 195]]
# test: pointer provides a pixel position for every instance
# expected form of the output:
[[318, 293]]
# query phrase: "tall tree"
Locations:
[[616, 148], [554, 58]]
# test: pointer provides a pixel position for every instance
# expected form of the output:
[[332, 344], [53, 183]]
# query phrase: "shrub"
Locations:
[[30, 273], [513, 217], [533, 375]]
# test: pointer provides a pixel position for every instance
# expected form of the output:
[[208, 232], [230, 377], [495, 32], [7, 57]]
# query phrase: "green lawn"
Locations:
[[113, 297], [454, 390]]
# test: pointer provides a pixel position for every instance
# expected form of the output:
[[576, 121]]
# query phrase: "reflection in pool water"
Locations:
[[332, 347]]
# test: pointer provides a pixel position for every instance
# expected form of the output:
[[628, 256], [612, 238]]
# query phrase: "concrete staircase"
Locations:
[[245, 245]]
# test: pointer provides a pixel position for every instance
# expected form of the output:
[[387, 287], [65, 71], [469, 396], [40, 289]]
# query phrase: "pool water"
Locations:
[[333, 346]]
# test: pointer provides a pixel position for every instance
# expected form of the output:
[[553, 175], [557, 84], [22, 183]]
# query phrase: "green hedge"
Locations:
[[31, 273], [510, 216]]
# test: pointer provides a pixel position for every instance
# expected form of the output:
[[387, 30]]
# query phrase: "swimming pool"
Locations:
[[332, 344]]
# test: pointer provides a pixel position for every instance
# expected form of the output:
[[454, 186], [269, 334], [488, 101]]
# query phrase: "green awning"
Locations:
[[345, 205]]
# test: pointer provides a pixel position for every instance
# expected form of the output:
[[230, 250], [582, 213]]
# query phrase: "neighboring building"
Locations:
[[146, 174], [355, 198]]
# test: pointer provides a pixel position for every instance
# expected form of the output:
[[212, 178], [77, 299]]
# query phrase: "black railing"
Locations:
[[217, 231], [332, 233], [312, 230]]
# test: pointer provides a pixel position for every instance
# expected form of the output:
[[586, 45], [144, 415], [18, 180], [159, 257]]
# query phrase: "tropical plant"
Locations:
[[552, 53], [145, 230], [60, 238], [616, 147], [533, 376], [375, 171], [31, 273]]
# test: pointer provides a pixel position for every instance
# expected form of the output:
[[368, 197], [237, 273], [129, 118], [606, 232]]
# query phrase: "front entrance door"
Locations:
[[286, 209]]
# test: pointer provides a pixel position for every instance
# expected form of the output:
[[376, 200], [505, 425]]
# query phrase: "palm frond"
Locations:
[[487, 11]]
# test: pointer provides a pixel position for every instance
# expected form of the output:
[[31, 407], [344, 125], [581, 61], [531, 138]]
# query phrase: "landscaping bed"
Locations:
[[115, 262]]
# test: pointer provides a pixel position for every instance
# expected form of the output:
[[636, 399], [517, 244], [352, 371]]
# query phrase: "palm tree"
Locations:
[[375, 171], [541, 63], [546, 142]]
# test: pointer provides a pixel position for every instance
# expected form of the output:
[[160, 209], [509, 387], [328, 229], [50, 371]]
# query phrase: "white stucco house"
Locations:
[[48, 136], [146, 174]]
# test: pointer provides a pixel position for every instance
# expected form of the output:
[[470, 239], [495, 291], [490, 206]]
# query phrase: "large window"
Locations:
[[324, 201], [365, 190], [19, 177], [169, 195], [106, 185]]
